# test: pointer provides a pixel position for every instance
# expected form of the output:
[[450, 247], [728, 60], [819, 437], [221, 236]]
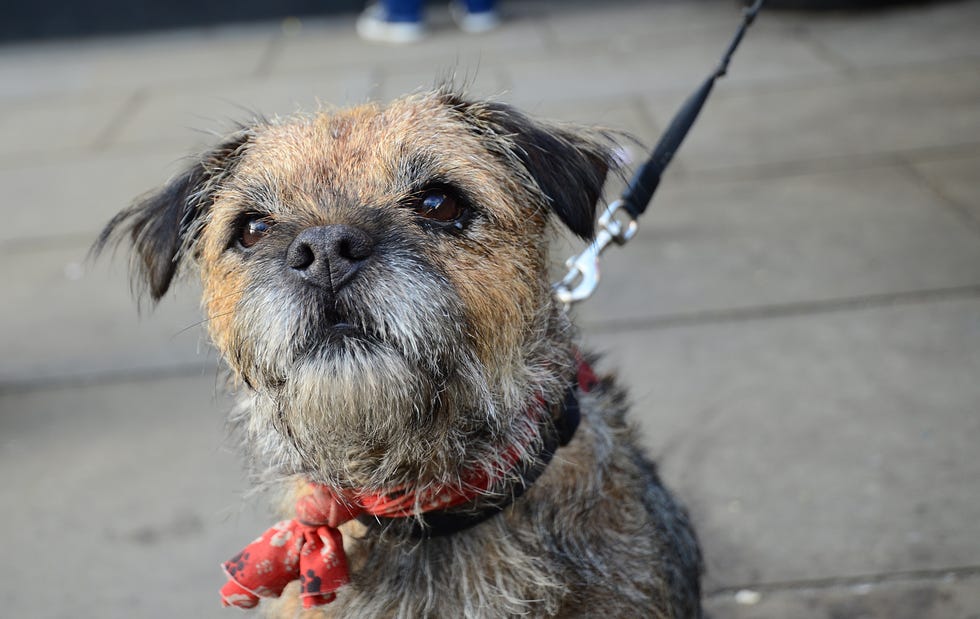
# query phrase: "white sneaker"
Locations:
[[474, 23], [372, 25]]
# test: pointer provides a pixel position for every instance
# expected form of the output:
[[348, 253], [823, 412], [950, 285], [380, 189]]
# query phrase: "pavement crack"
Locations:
[[109, 377], [825, 52], [967, 571], [785, 310], [271, 53], [130, 106], [960, 211], [835, 164]]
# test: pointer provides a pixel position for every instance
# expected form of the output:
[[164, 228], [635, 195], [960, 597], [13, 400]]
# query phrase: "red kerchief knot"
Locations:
[[309, 548], [324, 507]]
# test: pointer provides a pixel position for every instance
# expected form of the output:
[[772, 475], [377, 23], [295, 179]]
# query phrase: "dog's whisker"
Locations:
[[203, 321]]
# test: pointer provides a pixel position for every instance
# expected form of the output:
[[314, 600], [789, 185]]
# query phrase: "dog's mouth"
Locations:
[[342, 328], [338, 333], [326, 322], [336, 330]]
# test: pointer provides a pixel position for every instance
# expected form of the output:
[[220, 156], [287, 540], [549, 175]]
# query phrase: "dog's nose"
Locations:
[[329, 256]]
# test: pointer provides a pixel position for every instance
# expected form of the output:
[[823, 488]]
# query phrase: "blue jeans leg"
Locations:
[[479, 6], [404, 10]]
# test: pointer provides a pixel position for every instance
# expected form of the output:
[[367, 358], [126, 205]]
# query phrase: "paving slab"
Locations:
[[126, 63], [813, 447], [946, 597], [580, 24], [119, 501], [65, 318], [917, 109], [651, 66], [186, 119], [957, 180], [922, 32], [704, 247], [76, 197], [53, 126]]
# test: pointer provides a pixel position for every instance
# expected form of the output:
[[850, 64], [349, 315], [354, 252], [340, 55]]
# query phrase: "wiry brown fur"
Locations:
[[459, 350]]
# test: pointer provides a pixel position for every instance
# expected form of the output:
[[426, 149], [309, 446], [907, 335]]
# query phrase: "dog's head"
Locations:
[[377, 277]]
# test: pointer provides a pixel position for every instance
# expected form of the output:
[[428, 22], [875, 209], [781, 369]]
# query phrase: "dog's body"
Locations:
[[376, 280]]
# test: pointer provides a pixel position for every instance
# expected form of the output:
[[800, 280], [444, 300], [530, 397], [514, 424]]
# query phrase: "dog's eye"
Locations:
[[253, 230], [439, 205]]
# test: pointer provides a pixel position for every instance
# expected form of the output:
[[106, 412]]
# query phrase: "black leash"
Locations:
[[583, 275]]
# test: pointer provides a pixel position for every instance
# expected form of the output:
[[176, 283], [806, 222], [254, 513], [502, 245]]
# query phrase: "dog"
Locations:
[[376, 279]]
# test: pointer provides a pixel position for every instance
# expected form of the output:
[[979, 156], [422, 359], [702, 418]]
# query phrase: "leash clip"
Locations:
[[619, 228], [616, 225]]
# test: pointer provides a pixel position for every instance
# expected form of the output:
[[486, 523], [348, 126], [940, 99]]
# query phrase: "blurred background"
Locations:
[[798, 320]]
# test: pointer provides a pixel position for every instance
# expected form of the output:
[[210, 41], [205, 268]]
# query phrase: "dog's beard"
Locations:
[[393, 393]]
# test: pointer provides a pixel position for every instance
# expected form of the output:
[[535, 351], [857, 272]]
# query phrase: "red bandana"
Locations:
[[309, 548]]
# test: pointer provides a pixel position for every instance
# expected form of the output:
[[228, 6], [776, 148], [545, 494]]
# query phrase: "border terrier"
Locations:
[[376, 279]]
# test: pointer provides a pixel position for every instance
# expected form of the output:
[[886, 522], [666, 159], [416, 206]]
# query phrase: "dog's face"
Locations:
[[377, 278]]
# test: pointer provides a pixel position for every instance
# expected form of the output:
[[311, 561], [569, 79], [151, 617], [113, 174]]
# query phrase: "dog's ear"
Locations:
[[568, 164], [164, 225]]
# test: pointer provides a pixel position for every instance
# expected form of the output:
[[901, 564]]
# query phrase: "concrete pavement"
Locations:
[[799, 320]]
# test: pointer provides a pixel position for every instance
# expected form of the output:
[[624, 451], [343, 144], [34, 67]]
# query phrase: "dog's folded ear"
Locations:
[[164, 225], [568, 164]]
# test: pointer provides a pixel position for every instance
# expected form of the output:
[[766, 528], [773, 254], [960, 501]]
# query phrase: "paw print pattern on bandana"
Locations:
[[282, 534], [263, 567], [237, 563], [310, 582]]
